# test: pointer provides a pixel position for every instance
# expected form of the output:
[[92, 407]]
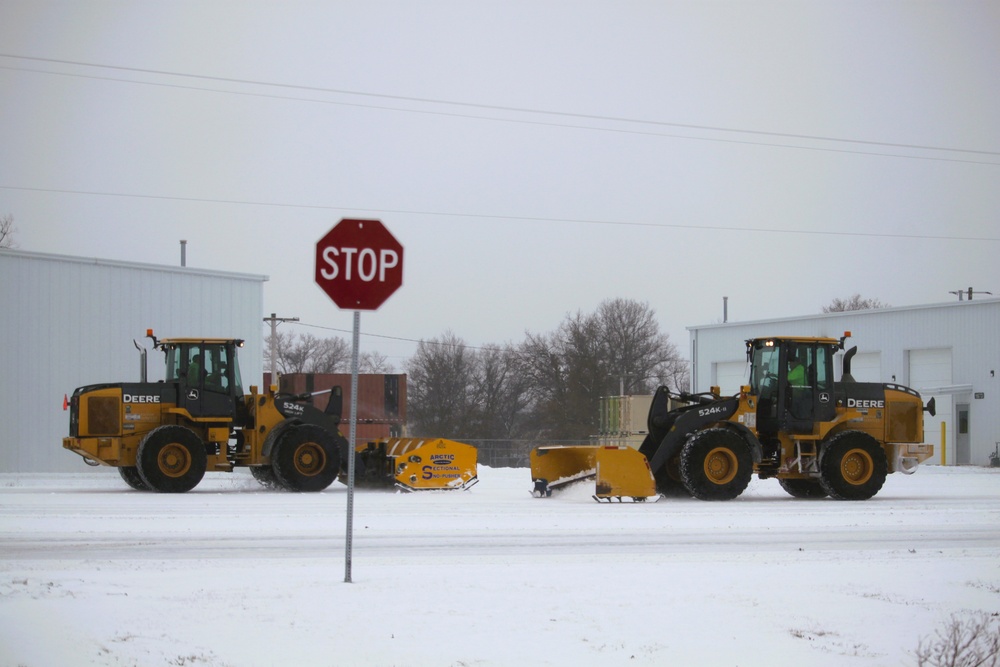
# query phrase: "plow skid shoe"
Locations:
[[432, 463], [623, 473], [556, 466]]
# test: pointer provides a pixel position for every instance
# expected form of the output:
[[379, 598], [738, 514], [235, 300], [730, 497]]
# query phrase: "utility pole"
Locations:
[[274, 320]]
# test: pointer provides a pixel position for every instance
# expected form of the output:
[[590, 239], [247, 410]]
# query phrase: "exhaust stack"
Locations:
[[142, 360]]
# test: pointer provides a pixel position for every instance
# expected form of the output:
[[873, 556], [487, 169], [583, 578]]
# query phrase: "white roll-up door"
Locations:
[[931, 369], [730, 376]]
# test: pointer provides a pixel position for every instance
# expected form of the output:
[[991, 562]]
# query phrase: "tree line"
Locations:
[[545, 388]]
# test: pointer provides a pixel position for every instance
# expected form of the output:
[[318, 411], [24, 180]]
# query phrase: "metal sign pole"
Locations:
[[351, 441]]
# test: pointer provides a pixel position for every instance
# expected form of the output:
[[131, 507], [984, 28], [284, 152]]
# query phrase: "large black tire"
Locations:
[[668, 482], [171, 459], [716, 464], [306, 458], [852, 466], [265, 476], [806, 488], [131, 476]]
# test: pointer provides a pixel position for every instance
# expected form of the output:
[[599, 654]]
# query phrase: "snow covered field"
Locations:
[[92, 573]]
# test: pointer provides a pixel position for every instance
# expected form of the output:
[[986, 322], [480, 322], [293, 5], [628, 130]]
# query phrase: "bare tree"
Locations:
[[7, 230], [306, 353], [620, 347], [295, 358], [855, 302], [973, 641], [546, 388], [331, 355], [637, 352], [440, 395], [500, 390], [373, 362], [568, 374]]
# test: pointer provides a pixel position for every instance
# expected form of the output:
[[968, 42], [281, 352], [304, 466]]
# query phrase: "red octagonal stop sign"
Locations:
[[359, 264]]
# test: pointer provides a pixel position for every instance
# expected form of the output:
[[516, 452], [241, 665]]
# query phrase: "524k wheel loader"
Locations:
[[793, 422], [164, 436]]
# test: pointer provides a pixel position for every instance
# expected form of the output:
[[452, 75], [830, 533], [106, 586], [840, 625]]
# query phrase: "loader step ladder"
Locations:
[[807, 456]]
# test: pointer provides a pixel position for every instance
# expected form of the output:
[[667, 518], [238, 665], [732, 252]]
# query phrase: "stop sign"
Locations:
[[359, 264]]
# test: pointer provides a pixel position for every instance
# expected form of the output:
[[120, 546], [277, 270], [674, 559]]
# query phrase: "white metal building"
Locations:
[[70, 321], [950, 351]]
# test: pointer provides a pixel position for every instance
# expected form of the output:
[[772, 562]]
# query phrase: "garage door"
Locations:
[[932, 369], [730, 376]]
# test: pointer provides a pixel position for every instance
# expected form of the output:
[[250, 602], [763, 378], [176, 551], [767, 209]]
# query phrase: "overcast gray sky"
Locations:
[[533, 158]]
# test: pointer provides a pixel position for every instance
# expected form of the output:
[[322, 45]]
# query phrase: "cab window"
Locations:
[[764, 369]]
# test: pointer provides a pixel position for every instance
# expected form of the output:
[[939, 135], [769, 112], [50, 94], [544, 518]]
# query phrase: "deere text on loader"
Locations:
[[164, 436], [818, 437]]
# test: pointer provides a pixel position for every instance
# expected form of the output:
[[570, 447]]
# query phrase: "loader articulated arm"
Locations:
[[663, 444]]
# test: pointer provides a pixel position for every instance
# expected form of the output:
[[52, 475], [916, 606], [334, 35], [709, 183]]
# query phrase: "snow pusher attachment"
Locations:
[[620, 471], [555, 466], [415, 464]]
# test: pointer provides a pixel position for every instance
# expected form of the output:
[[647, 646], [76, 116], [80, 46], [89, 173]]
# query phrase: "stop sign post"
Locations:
[[359, 264]]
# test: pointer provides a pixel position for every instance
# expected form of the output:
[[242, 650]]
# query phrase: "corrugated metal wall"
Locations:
[[970, 329], [70, 321]]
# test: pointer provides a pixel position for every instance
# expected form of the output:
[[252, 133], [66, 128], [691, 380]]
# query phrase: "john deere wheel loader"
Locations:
[[164, 436], [793, 422]]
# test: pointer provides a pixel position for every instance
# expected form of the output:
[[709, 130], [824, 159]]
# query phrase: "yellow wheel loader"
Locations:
[[164, 436], [818, 437]]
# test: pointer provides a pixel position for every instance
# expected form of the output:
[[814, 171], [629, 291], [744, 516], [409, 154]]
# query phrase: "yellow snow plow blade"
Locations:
[[558, 465], [622, 472], [417, 464]]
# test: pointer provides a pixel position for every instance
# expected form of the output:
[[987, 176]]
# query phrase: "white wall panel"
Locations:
[[865, 367]]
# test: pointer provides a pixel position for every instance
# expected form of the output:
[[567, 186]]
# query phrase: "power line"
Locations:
[[439, 343], [396, 338], [508, 109], [511, 218]]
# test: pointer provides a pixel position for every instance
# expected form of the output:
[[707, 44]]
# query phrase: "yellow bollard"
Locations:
[[944, 438]]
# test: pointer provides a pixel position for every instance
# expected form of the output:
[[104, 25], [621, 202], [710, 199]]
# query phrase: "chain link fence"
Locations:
[[503, 453]]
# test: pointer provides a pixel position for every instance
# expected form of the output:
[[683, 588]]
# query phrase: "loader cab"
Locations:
[[792, 379], [207, 373]]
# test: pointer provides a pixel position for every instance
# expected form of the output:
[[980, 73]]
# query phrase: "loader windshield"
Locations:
[[215, 366], [764, 368]]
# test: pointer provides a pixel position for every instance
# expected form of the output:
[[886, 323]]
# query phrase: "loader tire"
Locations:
[[265, 476], [171, 459], [716, 464], [131, 476], [852, 466], [668, 482], [306, 458], [803, 488]]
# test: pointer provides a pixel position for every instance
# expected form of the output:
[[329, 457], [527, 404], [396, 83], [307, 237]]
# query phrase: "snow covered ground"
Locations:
[[92, 573]]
